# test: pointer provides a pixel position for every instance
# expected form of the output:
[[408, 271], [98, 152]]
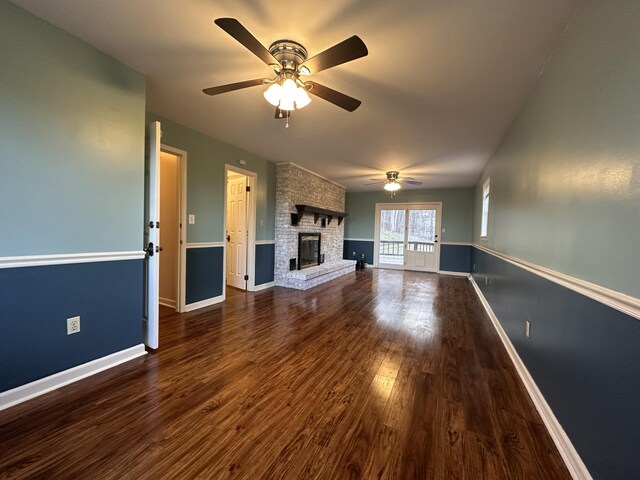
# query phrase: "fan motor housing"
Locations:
[[290, 54]]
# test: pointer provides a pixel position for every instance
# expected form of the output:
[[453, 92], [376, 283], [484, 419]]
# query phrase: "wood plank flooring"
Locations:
[[377, 375]]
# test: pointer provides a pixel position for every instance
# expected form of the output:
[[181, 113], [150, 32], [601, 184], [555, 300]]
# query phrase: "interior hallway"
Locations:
[[379, 374]]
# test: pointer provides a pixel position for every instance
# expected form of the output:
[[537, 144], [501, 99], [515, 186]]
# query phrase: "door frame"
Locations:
[[182, 219], [252, 181], [402, 206]]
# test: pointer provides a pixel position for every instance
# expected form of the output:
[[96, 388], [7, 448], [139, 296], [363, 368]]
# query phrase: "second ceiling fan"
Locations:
[[289, 60]]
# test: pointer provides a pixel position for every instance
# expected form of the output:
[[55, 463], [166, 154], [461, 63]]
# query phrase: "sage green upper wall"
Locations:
[[71, 143], [206, 158], [457, 211], [565, 182]]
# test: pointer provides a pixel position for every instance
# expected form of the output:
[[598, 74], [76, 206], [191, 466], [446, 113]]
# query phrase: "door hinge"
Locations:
[[248, 188], [246, 277]]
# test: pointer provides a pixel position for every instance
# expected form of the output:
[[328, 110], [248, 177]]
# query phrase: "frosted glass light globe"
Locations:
[[273, 94]]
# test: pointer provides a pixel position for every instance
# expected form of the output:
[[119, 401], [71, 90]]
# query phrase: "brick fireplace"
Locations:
[[298, 186]]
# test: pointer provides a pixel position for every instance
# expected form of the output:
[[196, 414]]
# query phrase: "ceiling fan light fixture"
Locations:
[[289, 87], [273, 94], [302, 98], [392, 186], [305, 70], [288, 94], [287, 104]]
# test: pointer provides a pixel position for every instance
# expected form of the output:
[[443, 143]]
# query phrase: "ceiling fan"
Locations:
[[289, 60], [393, 182]]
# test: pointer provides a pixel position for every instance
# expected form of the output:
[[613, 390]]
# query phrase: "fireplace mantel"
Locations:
[[317, 213]]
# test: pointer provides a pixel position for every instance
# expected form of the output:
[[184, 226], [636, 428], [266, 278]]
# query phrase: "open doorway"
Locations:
[[239, 228], [172, 241]]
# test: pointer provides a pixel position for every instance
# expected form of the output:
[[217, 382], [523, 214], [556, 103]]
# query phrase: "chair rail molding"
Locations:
[[624, 303], [67, 258]]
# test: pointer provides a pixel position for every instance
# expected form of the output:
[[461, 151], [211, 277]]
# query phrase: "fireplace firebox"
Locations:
[[308, 250]]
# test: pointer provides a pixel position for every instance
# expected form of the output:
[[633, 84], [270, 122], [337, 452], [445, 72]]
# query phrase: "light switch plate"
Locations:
[[192, 219]]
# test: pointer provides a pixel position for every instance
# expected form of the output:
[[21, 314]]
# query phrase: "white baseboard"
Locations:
[[167, 302], [457, 274], [572, 460], [204, 303], [52, 382], [264, 286]]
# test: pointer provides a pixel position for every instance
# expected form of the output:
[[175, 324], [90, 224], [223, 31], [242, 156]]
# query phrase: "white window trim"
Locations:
[[484, 217]]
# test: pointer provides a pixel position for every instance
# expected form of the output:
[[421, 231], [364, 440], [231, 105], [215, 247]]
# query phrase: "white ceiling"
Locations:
[[440, 86]]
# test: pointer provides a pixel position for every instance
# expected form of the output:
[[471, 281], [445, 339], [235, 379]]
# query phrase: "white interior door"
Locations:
[[422, 248], [237, 231], [152, 235]]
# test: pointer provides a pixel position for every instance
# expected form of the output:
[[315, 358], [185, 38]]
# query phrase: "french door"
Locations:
[[407, 236]]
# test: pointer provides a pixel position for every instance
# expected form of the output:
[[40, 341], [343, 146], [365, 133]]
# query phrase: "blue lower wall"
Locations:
[[36, 301], [265, 263], [360, 247], [205, 273], [455, 258], [583, 355]]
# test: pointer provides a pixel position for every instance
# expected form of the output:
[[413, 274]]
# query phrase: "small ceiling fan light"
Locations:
[[273, 94], [392, 186], [305, 70], [288, 95], [289, 87], [286, 103], [302, 98]]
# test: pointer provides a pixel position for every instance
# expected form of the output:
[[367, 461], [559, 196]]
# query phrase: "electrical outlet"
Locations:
[[73, 325], [527, 328]]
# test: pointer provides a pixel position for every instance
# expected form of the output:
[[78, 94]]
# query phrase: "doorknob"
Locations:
[[228, 238], [150, 250]]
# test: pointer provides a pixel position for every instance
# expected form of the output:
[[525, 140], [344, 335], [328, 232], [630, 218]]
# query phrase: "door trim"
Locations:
[[182, 214], [252, 181], [401, 206]]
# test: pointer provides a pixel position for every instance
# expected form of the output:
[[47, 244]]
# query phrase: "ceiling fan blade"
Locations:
[[374, 183], [333, 96], [234, 28], [408, 178], [410, 182], [343, 52], [232, 86]]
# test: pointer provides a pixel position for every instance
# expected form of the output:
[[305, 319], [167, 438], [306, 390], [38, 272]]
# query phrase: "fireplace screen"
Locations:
[[308, 250]]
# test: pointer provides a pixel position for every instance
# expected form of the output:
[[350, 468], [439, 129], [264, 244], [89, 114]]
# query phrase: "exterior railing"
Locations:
[[396, 248]]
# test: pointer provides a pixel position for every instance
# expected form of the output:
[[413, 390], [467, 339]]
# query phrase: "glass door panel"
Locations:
[[392, 236], [421, 230], [422, 239]]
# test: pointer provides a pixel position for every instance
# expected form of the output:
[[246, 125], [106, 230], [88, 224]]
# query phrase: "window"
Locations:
[[485, 209]]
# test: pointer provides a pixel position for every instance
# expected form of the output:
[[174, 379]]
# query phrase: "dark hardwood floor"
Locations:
[[376, 375]]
